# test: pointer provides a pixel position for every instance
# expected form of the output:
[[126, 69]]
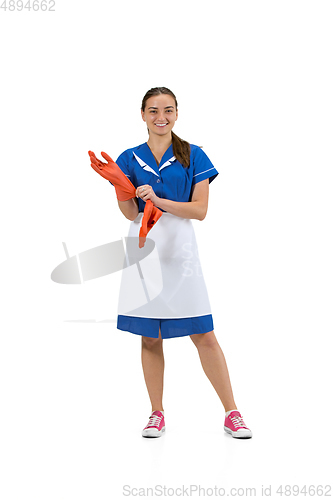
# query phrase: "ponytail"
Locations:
[[181, 150]]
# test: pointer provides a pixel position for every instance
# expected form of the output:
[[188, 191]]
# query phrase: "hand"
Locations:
[[146, 193], [125, 191]]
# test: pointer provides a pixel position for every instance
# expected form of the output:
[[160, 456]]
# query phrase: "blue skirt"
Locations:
[[180, 327]]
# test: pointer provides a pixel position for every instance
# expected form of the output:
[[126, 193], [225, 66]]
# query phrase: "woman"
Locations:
[[175, 176]]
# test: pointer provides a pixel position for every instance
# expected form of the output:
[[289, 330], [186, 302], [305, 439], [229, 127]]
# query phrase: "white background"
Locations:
[[254, 84]]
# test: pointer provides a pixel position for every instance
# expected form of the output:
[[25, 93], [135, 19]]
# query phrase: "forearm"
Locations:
[[129, 208], [186, 210]]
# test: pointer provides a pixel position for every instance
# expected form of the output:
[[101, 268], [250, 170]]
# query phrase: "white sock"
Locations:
[[228, 412]]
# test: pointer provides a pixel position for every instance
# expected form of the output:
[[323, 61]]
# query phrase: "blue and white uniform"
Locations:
[[171, 275]]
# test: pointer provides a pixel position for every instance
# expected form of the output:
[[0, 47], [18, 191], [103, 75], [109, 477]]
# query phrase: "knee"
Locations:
[[204, 339], [151, 343]]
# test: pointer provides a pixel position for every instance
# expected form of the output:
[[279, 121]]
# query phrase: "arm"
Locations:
[[129, 208], [194, 209]]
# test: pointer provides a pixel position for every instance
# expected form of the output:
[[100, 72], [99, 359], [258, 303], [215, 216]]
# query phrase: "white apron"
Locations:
[[168, 283]]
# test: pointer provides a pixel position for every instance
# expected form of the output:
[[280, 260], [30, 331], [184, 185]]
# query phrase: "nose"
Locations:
[[161, 117]]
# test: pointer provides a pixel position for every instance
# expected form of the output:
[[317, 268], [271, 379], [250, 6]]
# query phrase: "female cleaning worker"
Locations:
[[175, 176]]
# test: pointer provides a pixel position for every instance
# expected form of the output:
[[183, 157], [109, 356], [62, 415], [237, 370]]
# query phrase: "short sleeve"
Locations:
[[202, 167], [123, 163]]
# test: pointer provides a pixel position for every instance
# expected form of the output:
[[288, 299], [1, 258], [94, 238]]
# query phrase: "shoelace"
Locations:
[[154, 420], [238, 421]]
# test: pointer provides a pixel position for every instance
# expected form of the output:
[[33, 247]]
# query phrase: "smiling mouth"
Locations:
[[161, 124]]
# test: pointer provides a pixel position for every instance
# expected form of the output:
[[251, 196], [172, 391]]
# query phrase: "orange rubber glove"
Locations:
[[151, 215], [125, 191], [111, 172]]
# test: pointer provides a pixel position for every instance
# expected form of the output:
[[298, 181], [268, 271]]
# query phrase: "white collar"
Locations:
[[150, 169]]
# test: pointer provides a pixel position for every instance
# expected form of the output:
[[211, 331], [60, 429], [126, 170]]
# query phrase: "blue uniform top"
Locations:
[[169, 180]]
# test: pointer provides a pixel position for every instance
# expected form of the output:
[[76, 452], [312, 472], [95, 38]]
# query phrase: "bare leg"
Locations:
[[153, 369], [215, 367]]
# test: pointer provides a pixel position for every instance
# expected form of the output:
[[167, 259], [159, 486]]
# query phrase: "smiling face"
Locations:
[[160, 114]]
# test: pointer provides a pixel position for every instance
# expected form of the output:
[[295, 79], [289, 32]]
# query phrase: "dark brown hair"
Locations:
[[181, 148]]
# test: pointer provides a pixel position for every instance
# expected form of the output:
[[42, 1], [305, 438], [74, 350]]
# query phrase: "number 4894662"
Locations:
[[44, 5]]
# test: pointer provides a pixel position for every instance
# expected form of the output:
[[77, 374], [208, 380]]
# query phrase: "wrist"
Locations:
[[159, 202]]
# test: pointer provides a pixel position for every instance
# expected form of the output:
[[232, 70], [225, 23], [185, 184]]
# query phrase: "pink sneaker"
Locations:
[[234, 425], [155, 426]]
